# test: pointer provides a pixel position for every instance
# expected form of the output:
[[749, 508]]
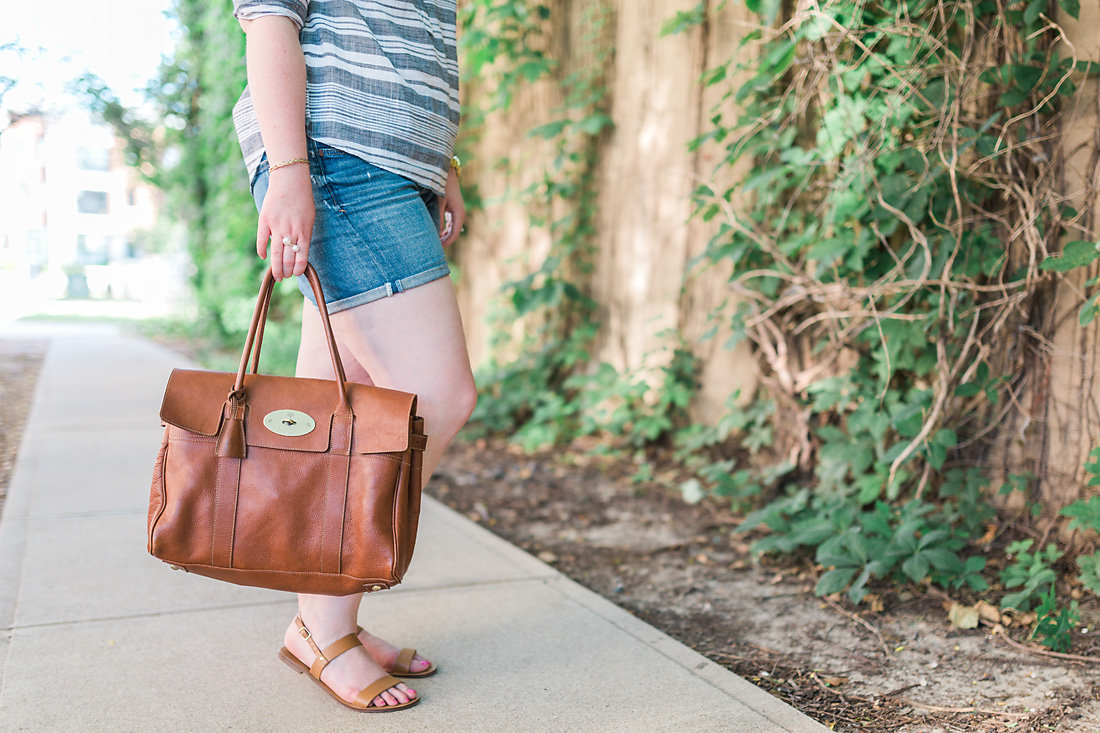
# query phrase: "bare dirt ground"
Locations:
[[19, 362], [680, 568]]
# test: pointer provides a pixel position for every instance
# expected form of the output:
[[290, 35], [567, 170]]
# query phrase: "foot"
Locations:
[[385, 653], [350, 672]]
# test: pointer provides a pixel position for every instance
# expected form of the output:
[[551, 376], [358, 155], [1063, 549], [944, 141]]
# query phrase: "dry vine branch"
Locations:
[[974, 319]]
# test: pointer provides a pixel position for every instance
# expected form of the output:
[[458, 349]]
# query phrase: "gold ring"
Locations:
[[286, 241]]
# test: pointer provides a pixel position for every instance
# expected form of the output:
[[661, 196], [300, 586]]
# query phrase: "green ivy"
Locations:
[[871, 231]]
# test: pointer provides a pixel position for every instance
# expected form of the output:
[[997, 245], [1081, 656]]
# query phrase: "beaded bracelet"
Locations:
[[285, 163]]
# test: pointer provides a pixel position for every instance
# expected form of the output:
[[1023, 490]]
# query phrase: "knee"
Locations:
[[465, 398], [458, 404], [448, 406]]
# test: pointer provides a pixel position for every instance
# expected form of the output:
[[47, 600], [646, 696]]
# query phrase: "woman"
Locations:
[[347, 127]]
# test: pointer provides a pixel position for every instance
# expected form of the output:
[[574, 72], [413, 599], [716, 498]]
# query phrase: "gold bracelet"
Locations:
[[285, 163], [456, 163]]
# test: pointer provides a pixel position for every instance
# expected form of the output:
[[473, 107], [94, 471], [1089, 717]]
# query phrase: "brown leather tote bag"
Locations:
[[304, 485]]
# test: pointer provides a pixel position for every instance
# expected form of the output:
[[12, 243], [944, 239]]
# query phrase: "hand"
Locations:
[[288, 211], [454, 210]]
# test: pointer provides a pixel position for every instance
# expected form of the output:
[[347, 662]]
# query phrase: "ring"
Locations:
[[295, 248], [286, 241]]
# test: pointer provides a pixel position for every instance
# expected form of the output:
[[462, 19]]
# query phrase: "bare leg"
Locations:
[[414, 342]]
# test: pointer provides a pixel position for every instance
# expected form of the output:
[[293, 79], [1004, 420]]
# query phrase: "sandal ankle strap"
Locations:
[[331, 652]]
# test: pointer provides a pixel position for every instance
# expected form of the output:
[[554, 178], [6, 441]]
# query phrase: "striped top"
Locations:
[[381, 82]]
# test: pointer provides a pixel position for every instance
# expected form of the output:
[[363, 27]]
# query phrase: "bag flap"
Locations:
[[194, 400]]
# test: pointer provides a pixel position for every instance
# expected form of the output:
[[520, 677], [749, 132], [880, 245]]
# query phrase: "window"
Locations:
[[92, 202], [93, 159]]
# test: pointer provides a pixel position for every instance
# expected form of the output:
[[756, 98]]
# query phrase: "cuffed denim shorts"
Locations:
[[375, 232]]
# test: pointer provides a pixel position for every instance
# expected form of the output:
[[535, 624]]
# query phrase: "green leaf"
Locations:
[[595, 124], [943, 560], [834, 581], [1089, 310], [1077, 253], [1072, 8], [549, 130], [1090, 572], [1086, 514], [969, 389], [684, 20], [767, 9], [916, 568], [1033, 10]]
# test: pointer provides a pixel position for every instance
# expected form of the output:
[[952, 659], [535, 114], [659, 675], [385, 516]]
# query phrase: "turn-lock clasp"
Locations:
[[291, 423]]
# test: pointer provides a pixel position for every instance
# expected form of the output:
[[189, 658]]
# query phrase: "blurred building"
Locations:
[[71, 212]]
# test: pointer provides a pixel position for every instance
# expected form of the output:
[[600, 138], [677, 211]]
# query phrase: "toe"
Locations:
[[396, 695]]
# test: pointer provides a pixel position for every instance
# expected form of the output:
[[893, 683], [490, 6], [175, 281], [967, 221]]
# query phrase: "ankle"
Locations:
[[323, 624]]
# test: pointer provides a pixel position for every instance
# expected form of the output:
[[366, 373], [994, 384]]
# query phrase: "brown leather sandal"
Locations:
[[402, 666], [363, 700]]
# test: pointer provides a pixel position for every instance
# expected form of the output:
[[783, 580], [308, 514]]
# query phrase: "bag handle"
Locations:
[[255, 368], [255, 331]]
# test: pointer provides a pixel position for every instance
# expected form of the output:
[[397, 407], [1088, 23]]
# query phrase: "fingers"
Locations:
[[454, 218], [289, 243], [263, 233], [459, 223], [445, 227], [289, 255], [302, 255]]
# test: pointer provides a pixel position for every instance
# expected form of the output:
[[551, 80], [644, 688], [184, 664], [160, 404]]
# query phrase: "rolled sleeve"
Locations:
[[251, 9]]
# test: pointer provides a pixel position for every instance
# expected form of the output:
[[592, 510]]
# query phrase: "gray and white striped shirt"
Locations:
[[381, 82]]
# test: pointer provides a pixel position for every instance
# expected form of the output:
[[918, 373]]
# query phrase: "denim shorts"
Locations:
[[375, 232]]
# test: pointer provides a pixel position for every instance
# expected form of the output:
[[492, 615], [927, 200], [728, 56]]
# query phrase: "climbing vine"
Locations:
[[896, 198]]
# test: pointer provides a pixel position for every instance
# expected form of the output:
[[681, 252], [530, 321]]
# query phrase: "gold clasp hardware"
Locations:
[[289, 423]]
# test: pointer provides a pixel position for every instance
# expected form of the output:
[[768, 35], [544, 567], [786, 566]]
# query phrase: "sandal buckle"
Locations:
[[304, 633]]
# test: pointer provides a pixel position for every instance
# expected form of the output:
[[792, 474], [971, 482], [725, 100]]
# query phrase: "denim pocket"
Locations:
[[261, 169]]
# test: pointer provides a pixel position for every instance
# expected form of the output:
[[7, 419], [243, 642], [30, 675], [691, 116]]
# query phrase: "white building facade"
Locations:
[[75, 221]]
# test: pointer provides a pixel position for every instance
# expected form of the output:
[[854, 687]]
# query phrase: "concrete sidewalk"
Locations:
[[95, 635]]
